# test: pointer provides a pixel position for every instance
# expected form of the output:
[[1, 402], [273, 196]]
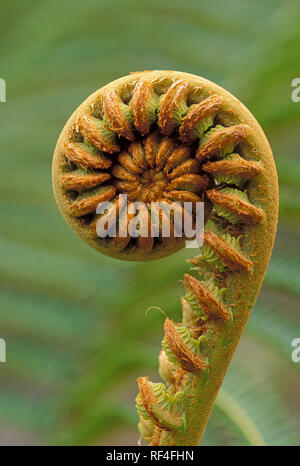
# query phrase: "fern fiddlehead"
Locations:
[[173, 136]]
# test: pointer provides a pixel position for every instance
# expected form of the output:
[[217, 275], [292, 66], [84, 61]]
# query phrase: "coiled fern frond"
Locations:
[[169, 136]]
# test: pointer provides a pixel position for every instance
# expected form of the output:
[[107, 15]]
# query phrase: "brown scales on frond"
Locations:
[[148, 399], [245, 211], [182, 196], [126, 186], [209, 304], [193, 182], [125, 159], [166, 148], [189, 166], [188, 360], [74, 152], [142, 94], [179, 156], [236, 167], [79, 182], [221, 139], [137, 152], [93, 131], [170, 103], [151, 405], [113, 112], [151, 145], [120, 172], [207, 108], [89, 204], [229, 255]]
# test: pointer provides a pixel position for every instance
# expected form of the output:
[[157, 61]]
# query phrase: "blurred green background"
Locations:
[[74, 321]]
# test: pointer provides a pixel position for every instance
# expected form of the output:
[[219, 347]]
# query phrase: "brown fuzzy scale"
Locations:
[[120, 172], [193, 182], [76, 154], [237, 167], [189, 166], [170, 103], [183, 196], [166, 148], [112, 109], [180, 155], [77, 182], [148, 397], [89, 204], [136, 194], [245, 211], [151, 148], [207, 108], [208, 303], [188, 360], [127, 161], [222, 138], [138, 154], [142, 94], [165, 421], [126, 186], [230, 256], [90, 129]]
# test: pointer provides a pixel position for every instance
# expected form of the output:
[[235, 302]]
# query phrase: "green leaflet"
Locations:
[[214, 289], [211, 257], [193, 302], [202, 125], [169, 352], [222, 178], [207, 137], [142, 412], [191, 299], [225, 213], [179, 112], [191, 343]]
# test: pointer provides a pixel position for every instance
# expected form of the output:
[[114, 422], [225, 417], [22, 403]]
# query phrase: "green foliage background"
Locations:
[[74, 322]]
